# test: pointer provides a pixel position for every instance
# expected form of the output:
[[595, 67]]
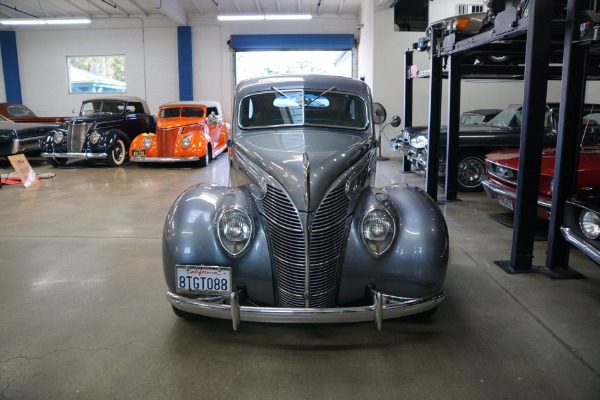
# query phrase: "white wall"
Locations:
[[150, 49], [149, 46]]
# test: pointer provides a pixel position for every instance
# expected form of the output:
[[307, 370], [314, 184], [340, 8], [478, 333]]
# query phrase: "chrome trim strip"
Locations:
[[87, 156], [21, 145], [384, 307], [163, 159], [581, 244], [492, 190]]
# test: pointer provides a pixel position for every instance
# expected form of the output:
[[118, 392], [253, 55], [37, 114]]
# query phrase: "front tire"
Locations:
[[203, 162], [118, 154], [471, 168]]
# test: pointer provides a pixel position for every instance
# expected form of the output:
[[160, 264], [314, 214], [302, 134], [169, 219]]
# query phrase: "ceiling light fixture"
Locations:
[[47, 21], [269, 17]]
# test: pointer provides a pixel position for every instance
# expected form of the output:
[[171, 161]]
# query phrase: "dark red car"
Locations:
[[20, 113], [502, 172]]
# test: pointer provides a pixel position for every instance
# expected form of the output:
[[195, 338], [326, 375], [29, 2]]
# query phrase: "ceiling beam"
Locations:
[[85, 12], [198, 6], [136, 5]]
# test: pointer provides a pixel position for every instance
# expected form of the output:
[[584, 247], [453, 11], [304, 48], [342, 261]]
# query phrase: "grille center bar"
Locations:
[[306, 164]]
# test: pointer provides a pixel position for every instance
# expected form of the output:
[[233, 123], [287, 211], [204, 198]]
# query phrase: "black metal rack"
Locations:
[[575, 55]]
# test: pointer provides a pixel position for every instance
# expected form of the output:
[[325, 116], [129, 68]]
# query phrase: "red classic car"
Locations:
[[20, 113], [186, 131], [502, 172]]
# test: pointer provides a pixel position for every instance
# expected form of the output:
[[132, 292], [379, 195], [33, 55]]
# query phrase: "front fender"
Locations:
[[190, 238], [415, 265]]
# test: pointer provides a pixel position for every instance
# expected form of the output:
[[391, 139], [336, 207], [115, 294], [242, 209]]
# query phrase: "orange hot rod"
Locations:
[[186, 131]]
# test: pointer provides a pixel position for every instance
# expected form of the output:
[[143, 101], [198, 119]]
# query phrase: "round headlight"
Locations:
[[185, 142], [147, 142], [235, 231], [94, 137], [454, 25], [58, 137], [419, 142], [377, 230], [589, 222]]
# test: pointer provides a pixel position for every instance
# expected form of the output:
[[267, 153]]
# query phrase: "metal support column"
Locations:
[[567, 146], [532, 134], [408, 102], [452, 135], [435, 111]]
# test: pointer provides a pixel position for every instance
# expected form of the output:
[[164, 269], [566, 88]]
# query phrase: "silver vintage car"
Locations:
[[300, 235]]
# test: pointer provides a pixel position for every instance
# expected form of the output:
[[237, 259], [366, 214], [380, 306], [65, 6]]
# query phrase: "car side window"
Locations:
[[18, 111]]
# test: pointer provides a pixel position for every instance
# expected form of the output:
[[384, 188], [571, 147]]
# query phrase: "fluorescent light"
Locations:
[[290, 16], [67, 21], [241, 17], [254, 17], [40, 21]]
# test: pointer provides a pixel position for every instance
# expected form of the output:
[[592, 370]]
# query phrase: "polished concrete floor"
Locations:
[[83, 312]]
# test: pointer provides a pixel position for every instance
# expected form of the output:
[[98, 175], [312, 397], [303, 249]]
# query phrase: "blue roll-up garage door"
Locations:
[[291, 42]]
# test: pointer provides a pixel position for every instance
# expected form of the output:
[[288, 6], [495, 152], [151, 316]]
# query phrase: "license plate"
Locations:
[[506, 203], [138, 152], [203, 279]]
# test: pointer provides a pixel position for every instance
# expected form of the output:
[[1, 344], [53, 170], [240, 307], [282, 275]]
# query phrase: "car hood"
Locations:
[[589, 159], [177, 122], [97, 118], [282, 155]]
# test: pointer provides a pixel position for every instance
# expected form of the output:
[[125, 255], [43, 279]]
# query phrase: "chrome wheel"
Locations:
[[470, 170]]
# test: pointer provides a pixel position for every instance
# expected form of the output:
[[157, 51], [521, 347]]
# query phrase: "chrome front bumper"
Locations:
[[383, 307], [163, 159], [494, 191], [24, 145], [581, 244], [87, 156]]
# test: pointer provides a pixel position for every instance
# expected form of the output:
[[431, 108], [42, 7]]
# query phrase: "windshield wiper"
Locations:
[[319, 96], [285, 95]]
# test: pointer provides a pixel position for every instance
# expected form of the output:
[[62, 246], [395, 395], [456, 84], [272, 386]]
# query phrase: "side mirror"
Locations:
[[395, 121]]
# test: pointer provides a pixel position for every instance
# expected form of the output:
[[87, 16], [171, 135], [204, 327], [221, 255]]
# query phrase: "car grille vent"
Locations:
[[77, 131], [503, 173], [165, 140], [287, 243]]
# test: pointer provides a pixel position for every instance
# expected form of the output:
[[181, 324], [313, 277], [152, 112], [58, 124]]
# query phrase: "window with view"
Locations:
[[97, 74]]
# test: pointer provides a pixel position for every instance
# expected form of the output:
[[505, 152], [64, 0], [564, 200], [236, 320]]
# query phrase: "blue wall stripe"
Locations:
[[291, 42], [10, 67], [184, 48]]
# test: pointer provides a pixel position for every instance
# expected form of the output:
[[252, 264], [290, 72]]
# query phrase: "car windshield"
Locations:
[[471, 119], [102, 107], [185, 112], [297, 107], [512, 117]]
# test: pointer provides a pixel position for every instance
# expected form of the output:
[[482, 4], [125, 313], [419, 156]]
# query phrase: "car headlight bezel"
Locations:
[[147, 142], [186, 141], [377, 230], [58, 137], [589, 222], [235, 229], [95, 137]]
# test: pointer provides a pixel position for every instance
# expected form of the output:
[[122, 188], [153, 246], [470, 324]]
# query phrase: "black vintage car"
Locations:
[[581, 226], [501, 132], [103, 130], [22, 137]]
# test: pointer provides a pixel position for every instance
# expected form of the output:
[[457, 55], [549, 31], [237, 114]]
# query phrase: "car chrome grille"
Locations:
[[503, 173], [77, 131], [165, 141], [327, 237]]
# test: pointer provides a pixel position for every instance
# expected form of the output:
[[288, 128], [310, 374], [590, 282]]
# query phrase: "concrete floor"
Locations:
[[83, 313]]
